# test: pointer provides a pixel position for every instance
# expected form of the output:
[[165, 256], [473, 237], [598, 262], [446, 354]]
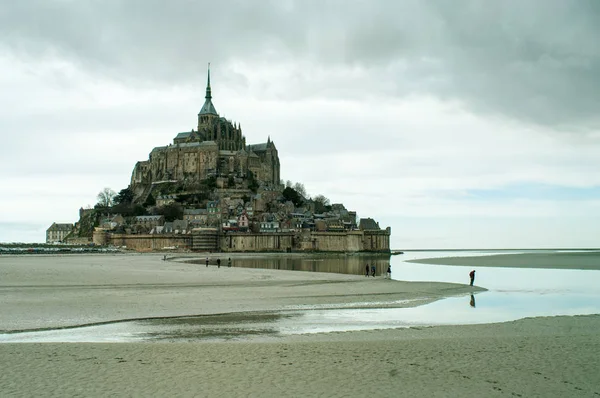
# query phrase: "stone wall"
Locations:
[[150, 242], [245, 242], [352, 241]]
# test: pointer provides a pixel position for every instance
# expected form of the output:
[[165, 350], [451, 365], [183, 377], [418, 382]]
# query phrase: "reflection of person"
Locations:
[[373, 270], [472, 302], [229, 262], [472, 276], [389, 271], [367, 270]]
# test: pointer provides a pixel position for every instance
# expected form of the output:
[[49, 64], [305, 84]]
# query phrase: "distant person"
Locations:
[[165, 258], [229, 262], [367, 270], [389, 272], [472, 276], [218, 263], [373, 270], [207, 261], [472, 302]]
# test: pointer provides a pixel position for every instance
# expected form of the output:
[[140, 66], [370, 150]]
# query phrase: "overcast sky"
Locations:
[[457, 123]]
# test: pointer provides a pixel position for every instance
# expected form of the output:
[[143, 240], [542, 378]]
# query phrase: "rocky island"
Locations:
[[211, 191]]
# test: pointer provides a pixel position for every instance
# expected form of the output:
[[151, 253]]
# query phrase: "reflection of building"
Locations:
[[216, 148], [57, 232]]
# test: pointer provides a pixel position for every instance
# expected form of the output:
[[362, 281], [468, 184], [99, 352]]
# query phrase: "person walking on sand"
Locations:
[[207, 261], [367, 270], [373, 270], [389, 272], [472, 276], [218, 263]]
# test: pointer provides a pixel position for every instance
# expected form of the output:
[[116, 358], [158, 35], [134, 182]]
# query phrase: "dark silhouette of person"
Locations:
[[218, 263], [367, 270], [472, 302], [373, 270], [229, 262], [207, 261], [472, 276], [389, 271]]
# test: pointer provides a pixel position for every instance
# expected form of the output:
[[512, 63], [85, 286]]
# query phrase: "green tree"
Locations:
[[292, 195], [150, 201], [172, 211], [124, 196], [252, 183]]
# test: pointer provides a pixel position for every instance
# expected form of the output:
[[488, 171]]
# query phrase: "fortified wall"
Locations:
[[211, 240]]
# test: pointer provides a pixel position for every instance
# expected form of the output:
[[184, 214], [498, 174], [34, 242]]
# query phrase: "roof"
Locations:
[[60, 227], [194, 211], [368, 224], [194, 144], [148, 218], [258, 147], [208, 108], [183, 135]]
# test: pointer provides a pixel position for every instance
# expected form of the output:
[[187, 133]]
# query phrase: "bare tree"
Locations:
[[299, 187], [106, 197]]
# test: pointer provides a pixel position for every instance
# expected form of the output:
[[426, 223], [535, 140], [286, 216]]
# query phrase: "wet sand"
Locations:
[[540, 357], [565, 260], [40, 292]]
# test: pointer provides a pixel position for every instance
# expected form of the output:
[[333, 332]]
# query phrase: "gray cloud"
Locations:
[[535, 61]]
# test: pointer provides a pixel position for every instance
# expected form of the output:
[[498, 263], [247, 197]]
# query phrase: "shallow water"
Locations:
[[513, 293]]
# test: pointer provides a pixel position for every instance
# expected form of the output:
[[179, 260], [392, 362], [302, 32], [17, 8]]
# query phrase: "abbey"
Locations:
[[216, 148]]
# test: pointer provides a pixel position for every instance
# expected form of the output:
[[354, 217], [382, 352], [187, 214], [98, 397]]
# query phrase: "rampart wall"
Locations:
[[351, 241]]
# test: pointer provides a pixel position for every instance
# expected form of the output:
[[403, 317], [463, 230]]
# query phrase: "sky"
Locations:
[[459, 124]]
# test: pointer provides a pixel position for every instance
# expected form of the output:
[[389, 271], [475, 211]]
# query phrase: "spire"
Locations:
[[208, 93], [208, 108]]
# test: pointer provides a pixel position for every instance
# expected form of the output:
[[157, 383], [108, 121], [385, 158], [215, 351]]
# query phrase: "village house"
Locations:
[[58, 232], [144, 224]]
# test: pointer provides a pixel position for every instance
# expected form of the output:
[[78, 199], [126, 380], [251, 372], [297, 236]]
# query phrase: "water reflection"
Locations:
[[472, 301], [340, 264]]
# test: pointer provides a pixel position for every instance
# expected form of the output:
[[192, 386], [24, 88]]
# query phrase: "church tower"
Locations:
[[208, 114]]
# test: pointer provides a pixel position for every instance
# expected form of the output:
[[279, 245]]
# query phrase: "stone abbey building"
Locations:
[[216, 148]]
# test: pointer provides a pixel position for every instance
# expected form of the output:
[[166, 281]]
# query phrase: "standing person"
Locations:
[[367, 270], [472, 276], [218, 263], [229, 262], [389, 271], [373, 270], [207, 261]]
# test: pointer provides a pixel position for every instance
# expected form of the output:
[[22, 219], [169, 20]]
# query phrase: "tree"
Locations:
[[106, 197], [252, 183], [299, 187], [124, 196], [172, 211], [150, 201], [292, 195], [321, 203]]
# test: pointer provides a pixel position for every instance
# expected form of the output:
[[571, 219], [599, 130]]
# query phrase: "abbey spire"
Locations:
[[208, 108]]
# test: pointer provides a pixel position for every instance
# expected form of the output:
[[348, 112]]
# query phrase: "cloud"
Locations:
[[535, 61]]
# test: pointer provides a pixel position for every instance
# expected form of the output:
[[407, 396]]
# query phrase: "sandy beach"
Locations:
[[585, 260], [538, 357]]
